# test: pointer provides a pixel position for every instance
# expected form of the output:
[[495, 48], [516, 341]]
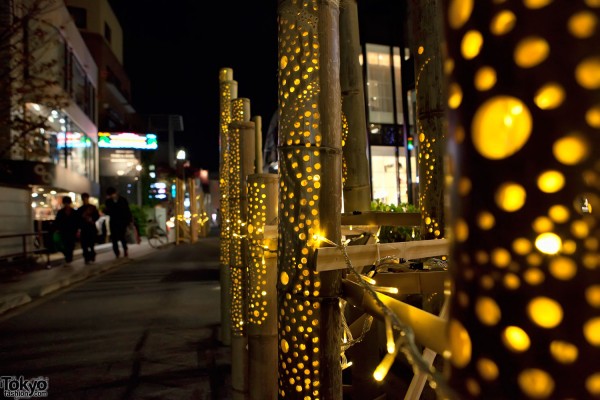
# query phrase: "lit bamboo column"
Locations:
[[524, 98], [228, 91], [262, 291], [241, 164], [180, 224], [309, 316], [431, 114], [357, 188], [258, 157]]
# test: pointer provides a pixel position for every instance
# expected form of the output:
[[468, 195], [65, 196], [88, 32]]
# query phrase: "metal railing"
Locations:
[[29, 248]]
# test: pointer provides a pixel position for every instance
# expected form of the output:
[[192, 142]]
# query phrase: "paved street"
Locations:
[[146, 329]]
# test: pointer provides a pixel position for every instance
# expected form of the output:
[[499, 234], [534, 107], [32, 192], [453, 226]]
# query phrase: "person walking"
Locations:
[[88, 215], [117, 208], [66, 225]]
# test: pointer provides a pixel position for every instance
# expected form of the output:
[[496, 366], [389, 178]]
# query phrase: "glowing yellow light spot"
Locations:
[[592, 296], [284, 278], [448, 66], [459, 134], [473, 387], [549, 96], [563, 352], [587, 74], [521, 246], [548, 243], [592, 384], [284, 62], [512, 281], [515, 339], [460, 344], [536, 383], [582, 24], [510, 196], [461, 230], [501, 257], [454, 96], [551, 181], [420, 50], [593, 3], [591, 331], [580, 229], [501, 126], [487, 311], [503, 23], [459, 12], [563, 268], [285, 347], [487, 369], [533, 276], [471, 44], [486, 220], [542, 224], [545, 312], [592, 117], [464, 186], [569, 247], [559, 213], [533, 4], [485, 78], [531, 51]]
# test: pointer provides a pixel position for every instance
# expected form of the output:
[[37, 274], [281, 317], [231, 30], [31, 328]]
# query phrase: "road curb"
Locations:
[[13, 300]]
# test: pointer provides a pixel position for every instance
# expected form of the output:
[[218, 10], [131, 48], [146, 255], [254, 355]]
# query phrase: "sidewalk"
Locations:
[[27, 287]]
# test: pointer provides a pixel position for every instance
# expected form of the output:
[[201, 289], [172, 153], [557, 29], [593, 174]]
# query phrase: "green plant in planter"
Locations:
[[390, 234]]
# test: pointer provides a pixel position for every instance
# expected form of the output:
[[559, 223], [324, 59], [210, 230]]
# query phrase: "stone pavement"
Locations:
[[17, 290]]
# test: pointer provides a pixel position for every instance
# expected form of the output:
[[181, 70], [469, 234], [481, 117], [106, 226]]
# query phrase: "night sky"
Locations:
[[173, 51]]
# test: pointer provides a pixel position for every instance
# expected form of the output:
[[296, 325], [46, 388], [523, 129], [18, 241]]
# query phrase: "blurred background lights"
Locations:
[[545, 312], [515, 339], [471, 44], [503, 23], [459, 12], [531, 51], [549, 96], [548, 243], [501, 126], [510, 196], [536, 383], [485, 78]]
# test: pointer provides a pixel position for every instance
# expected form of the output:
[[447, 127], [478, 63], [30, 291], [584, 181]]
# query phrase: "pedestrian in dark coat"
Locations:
[[67, 224], [88, 215], [117, 208]]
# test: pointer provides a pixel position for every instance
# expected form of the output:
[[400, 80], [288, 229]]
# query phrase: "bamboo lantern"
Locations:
[[262, 291], [524, 101], [228, 91], [309, 319]]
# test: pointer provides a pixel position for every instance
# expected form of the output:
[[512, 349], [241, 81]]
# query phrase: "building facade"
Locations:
[[48, 113]]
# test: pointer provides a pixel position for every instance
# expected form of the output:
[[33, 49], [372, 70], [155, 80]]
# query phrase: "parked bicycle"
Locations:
[[157, 237]]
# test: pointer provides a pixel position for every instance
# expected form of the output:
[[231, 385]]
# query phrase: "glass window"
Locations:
[[384, 174], [398, 85], [380, 101]]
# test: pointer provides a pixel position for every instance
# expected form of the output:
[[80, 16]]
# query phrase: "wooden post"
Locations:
[[431, 109], [228, 91], [262, 291], [241, 164], [357, 188], [194, 210], [258, 157], [310, 199], [524, 113]]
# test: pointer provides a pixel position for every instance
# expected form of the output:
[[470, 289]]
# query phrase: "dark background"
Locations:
[[173, 51]]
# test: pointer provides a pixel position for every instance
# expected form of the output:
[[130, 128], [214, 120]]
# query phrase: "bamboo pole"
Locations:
[[258, 157], [194, 211], [357, 188], [241, 164], [431, 111], [262, 290], [228, 91], [310, 199], [525, 124]]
